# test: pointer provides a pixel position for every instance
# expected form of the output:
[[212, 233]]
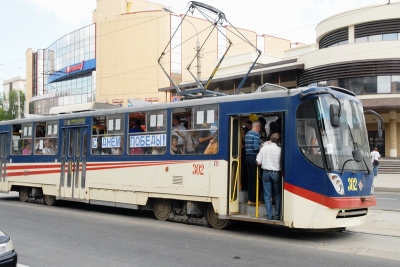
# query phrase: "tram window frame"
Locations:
[[203, 124], [108, 129], [152, 141], [46, 133], [21, 137], [305, 116]]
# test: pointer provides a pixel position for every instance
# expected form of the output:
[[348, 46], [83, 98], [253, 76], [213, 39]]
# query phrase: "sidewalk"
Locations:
[[380, 222], [387, 183]]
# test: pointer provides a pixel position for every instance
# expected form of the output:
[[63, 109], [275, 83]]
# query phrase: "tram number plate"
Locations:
[[352, 184], [198, 169]]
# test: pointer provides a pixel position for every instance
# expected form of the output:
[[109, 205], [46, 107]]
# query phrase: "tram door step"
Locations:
[[250, 210]]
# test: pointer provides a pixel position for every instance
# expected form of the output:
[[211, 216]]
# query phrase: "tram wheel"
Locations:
[[49, 200], [23, 193], [162, 208], [212, 219]]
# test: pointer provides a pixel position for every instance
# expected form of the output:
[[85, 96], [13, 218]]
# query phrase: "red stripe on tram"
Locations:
[[89, 167], [332, 202]]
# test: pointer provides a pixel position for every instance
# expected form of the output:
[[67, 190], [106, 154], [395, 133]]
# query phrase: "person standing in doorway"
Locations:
[[270, 160], [252, 146], [375, 160]]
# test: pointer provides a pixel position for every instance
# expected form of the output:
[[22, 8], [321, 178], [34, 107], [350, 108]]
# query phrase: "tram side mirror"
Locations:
[[380, 131], [334, 115], [357, 155]]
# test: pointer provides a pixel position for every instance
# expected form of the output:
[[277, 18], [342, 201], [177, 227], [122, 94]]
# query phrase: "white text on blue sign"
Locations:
[[148, 140], [110, 142]]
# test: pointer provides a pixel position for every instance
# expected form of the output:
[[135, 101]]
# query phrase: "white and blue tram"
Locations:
[[98, 157]]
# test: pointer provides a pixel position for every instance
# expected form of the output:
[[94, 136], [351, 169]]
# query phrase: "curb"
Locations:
[[387, 189]]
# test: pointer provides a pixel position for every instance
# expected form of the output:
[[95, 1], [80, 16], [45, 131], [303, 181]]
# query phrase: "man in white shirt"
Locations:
[[270, 160], [375, 156]]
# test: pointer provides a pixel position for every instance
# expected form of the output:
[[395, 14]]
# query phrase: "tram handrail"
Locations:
[[237, 176], [257, 192]]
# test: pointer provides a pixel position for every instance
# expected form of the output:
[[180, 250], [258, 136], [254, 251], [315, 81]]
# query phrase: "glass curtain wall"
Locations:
[[69, 50]]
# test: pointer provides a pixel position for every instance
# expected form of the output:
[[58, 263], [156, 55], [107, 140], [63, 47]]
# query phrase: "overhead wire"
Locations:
[[159, 17]]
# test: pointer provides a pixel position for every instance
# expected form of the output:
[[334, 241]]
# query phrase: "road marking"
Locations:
[[21, 265], [387, 198]]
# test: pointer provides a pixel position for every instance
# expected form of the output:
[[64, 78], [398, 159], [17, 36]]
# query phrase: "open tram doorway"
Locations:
[[3, 161], [239, 207], [73, 162]]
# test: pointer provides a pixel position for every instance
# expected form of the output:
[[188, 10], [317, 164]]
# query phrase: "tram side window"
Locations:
[[180, 130], [196, 129], [147, 133], [307, 136], [206, 122], [108, 135], [46, 138], [22, 139]]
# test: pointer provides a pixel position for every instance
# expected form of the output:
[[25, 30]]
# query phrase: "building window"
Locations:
[[222, 45], [176, 45], [362, 39], [389, 37], [261, 43], [383, 84], [375, 38], [365, 85], [395, 84]]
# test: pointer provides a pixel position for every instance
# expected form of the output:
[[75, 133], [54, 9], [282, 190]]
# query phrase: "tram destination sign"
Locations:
[[75, 121]]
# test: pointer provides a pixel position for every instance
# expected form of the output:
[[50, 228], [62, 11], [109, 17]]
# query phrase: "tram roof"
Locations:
[[185, 103]]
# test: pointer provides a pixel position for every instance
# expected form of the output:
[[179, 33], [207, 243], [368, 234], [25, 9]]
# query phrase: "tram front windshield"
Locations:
[[332, 147]]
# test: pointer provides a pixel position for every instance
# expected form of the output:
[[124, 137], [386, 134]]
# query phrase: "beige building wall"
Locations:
[[274, 46], [209, 52], [127, 49], [383, 11], [240, 46]]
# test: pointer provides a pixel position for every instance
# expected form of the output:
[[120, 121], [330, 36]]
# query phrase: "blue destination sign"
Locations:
[[148, 140], [107, 142]]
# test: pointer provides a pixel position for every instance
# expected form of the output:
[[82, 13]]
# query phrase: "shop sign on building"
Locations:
[[151, 99], [75, 67], [117, 101], [103, 101]]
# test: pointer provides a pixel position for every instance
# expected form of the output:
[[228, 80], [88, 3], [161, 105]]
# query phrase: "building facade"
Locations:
[[16, 83], [64, 73], [114, 60], [360, 50]]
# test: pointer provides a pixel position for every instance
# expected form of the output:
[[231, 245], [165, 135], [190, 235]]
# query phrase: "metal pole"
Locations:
[[198, 60]]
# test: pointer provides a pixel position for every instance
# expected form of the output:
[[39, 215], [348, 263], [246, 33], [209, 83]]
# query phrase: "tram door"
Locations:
[[73, 162], [3, 161], [235, 165]]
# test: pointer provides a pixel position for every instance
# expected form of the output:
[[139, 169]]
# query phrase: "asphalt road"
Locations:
[[75, 234], [387, 201]]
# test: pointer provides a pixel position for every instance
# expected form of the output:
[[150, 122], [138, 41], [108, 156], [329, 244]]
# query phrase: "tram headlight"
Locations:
[[336, 182], [372, 188]]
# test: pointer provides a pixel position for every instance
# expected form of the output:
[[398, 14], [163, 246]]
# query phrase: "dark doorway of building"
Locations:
[[376, 141]]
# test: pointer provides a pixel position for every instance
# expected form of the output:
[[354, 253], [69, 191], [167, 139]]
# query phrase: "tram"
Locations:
[[97, 157]]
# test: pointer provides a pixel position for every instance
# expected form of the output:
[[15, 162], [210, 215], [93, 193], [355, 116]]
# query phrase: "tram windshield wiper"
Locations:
[[357, 156]]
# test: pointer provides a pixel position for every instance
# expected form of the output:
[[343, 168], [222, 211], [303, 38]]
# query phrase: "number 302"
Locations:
[[198, 169], [352, 184]]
